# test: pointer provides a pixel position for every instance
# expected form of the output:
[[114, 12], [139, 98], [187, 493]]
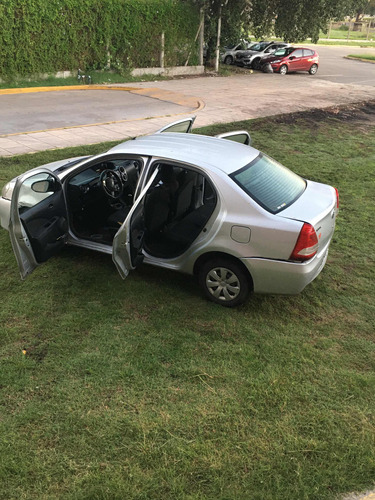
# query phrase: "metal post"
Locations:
[[201, 38], [218, 42], [368, 30], [348, 31], [329, 29], [162, 45]]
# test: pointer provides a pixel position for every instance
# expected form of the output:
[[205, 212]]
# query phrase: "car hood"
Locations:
[[271, 58], [317, 206], [243, 53]]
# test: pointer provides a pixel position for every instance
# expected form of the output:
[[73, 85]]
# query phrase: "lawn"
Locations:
[[353, 35], [144, 390], [368, 57]]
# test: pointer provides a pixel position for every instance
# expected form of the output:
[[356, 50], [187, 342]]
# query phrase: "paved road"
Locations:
[[334, 68], [48, 110], [214, 100]]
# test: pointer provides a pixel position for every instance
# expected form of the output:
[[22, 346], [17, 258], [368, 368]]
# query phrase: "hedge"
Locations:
[[45, 36]]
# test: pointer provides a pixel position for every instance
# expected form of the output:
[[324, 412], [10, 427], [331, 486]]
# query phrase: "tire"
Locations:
[[256, 63], [283, 69], [313, 69], [228, 60], [224, 282]]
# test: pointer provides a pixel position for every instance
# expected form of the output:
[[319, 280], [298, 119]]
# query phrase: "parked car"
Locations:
[[251, 58], [289, 59], [229, 54], [205, 206]]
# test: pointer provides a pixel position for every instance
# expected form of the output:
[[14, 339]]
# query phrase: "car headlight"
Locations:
[[276, 61]]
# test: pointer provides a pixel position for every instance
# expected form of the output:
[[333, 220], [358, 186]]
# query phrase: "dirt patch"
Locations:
[[362, 112]]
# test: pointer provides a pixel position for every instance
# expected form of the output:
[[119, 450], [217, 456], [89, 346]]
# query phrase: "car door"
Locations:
[[128, 241], [241, 136], [183, 126], [38, 224], [295, 60]]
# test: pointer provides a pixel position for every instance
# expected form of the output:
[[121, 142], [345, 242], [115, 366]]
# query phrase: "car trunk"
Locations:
[[316, 206]]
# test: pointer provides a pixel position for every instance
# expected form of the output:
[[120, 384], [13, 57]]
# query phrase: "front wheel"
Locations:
[[228, 60], [256, 63], [225, 282], [283, 70], [313, 69]]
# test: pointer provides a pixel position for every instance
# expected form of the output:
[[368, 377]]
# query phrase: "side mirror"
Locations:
[[291, 58], [45, 186]]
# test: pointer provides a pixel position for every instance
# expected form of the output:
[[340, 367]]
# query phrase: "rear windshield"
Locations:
[[269, 183]]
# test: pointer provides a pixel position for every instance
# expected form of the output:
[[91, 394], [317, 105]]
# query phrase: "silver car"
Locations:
[[229, 56], [207, 206], [252, 57]]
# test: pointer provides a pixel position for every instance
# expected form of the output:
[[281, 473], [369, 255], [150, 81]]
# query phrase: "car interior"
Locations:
[[176, 207]]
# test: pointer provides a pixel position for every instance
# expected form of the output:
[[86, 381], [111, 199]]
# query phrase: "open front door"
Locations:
[[240, 136], [38, 219], [128, 241], [183, 126]]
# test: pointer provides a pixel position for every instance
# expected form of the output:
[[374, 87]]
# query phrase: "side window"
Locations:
[[298, 53], [307, 52], [36, 189]]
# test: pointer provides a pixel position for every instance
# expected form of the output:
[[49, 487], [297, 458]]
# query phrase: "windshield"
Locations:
[[258, 47], [285, 51], [269, 183]]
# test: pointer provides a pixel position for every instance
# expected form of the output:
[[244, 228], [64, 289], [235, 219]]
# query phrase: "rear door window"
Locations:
[[273, 186]]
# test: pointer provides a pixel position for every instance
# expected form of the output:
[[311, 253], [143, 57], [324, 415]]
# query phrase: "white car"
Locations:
[[206, 206]]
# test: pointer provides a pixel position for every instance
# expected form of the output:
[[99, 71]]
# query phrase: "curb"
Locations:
[[359, 59]]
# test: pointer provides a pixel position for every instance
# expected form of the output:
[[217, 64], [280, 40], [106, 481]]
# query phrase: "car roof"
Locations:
[[211, 153]]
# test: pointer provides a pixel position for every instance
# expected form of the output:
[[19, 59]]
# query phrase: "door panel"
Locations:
[[38, 219], [45, 225], [128, 241]]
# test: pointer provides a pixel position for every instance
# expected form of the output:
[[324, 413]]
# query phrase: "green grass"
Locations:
[[97, 77], [369, 57], [144, 390], [343, 34]]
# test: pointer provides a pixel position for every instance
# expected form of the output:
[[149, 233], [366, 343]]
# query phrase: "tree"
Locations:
[[291, 20]]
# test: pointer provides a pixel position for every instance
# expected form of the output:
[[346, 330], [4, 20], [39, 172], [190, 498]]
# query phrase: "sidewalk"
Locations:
[[213, 99]]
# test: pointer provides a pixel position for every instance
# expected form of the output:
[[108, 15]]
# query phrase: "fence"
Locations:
[[362, 30]]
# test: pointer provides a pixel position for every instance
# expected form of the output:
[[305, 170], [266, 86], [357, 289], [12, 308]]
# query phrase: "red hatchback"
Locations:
[[288, 59]]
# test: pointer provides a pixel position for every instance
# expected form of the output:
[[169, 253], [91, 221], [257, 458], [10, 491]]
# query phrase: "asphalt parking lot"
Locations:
[[47, 120]]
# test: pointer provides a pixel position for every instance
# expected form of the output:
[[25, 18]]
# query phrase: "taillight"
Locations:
[[337, 198], [307, 244]]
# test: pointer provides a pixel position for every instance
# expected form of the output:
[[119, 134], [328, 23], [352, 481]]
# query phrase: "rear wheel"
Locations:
[[228, 60], [224, 281], [313, 69], [283, 70]]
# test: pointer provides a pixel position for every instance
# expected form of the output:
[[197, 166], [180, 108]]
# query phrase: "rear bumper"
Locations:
[[282, 277]]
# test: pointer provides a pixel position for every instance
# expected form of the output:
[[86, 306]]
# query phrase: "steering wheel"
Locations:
[[112, 183]]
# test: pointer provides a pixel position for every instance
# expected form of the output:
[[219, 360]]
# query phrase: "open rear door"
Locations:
[[128, 241], [38, 219], [183, 126], [240, 136]]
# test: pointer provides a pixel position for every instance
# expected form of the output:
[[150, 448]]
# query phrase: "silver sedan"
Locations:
[[214, 207]]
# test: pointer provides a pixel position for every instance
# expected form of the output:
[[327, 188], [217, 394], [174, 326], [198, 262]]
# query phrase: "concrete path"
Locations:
[[213, 99]]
